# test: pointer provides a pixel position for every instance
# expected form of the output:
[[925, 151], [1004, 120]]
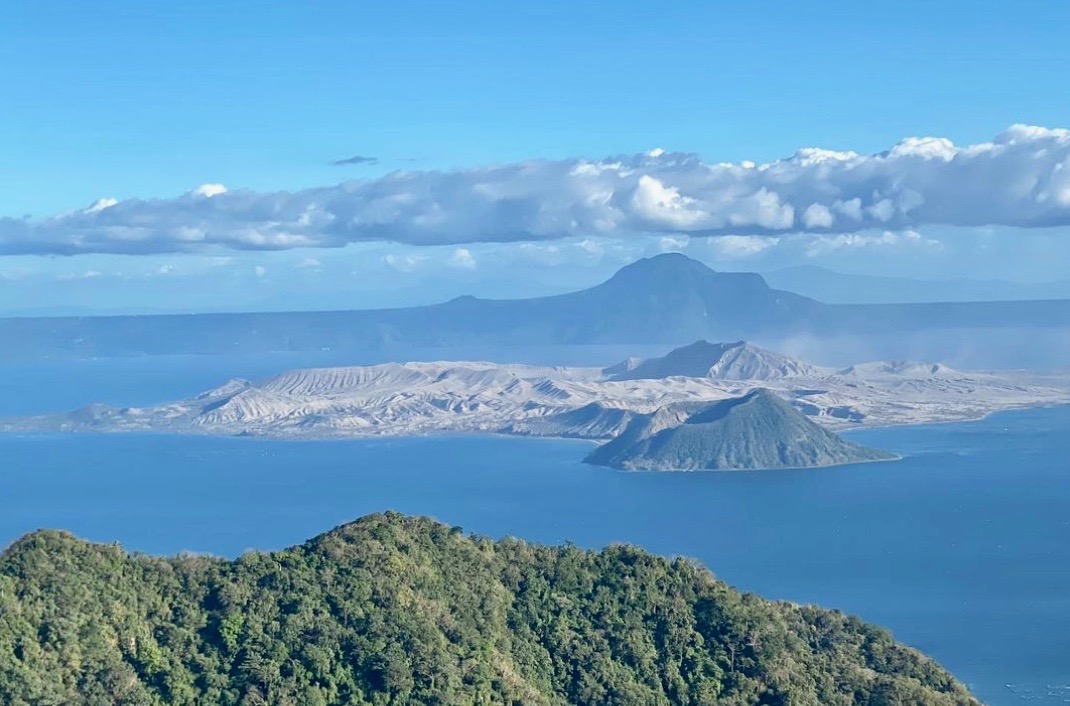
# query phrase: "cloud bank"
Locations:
[[1020, 179]]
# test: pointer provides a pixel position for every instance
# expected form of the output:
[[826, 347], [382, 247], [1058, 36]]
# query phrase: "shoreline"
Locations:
[[13, 425], [446, 434]]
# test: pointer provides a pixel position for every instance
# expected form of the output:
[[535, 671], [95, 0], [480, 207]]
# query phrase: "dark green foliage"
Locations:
[[397, 610]]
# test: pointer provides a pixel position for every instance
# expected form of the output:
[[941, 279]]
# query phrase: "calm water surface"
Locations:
[[963, 548]]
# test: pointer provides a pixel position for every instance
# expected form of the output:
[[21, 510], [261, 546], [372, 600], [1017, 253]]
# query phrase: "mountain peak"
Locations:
[[901, 369], [756, 430], [759, 397], [29, 547], [737, 360], [668, 260], [676, 267], [671, 297]]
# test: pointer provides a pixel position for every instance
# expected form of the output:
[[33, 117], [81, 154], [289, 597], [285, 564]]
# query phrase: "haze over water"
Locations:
[[963, 548]]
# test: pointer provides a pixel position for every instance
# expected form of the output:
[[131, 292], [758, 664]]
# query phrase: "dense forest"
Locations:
[[398, 610]]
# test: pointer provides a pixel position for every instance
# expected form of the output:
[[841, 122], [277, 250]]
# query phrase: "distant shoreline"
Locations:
[[7, 424]]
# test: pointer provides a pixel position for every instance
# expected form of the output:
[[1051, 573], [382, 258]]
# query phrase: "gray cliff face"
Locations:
[[758, 430]]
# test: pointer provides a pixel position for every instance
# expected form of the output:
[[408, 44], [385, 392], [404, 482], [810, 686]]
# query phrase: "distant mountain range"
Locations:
[[758, 430], [668, 299], [833, 287]]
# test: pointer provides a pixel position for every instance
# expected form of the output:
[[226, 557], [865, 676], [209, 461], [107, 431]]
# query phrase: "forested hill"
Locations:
[[399, 610]]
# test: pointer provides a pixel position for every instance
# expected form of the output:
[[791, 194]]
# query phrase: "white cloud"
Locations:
[[1021, 178], [741, 246], [101, 204], [824, 244], [260, 271], [818, 215], [85, 274], [926, 148], [673, 243], [403, 263], [165, 269], [309, 263], [463, 258], [208, 190], [850, 209], [543, 253], [656, 203], [591, 247]]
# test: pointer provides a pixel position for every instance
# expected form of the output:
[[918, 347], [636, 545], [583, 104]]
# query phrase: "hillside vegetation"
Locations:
[[399, 610]]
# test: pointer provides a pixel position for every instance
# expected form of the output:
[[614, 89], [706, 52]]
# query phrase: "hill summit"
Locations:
[[399, 610], [719, 361], [756, 431]]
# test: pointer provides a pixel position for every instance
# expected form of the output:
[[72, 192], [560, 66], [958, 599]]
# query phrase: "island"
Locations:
[[600, 404], [758, 430]]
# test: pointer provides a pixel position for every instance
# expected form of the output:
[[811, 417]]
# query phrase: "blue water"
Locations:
[[963, 548]]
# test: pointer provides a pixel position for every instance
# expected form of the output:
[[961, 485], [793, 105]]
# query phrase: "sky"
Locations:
[[227, 156]]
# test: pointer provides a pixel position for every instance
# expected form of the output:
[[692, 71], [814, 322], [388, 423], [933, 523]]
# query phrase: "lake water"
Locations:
[[962, 548]]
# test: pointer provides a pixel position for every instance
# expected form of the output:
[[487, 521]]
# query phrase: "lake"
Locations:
[[962, 548]]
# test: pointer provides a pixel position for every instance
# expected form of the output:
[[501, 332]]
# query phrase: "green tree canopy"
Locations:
[[398, 610]]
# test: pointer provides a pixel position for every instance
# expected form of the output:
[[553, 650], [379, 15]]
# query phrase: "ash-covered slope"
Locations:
[[757, 430], [904, 369], [718, 361], [399, 610], [474, 396], [592, 421]]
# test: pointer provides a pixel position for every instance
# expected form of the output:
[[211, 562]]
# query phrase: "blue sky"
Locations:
[[131, 100]]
